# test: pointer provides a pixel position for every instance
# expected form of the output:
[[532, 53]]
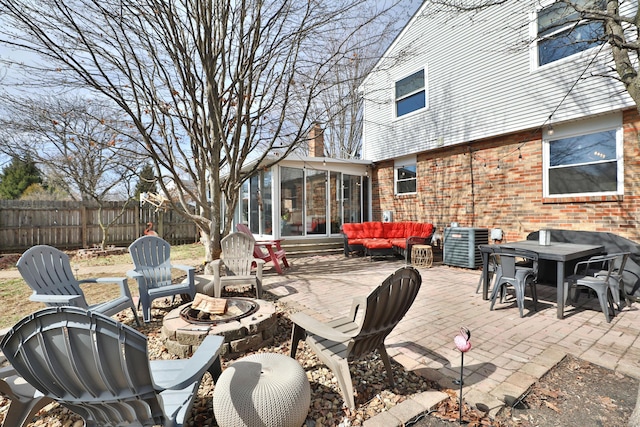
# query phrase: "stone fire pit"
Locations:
[[245, 332]]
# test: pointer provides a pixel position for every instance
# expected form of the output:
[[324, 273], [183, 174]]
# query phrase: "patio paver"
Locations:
[[509, 353]]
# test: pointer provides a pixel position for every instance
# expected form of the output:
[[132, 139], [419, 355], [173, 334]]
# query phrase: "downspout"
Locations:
[[473, 194]]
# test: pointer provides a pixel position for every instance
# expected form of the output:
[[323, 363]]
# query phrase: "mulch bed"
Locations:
[[573, 393], [8, 260], [373, 394]]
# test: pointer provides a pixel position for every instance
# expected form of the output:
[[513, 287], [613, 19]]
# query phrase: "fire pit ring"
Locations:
[[250, 332], [237, 308]]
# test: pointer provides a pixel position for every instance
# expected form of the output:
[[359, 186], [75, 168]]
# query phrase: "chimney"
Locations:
[[316, 141]]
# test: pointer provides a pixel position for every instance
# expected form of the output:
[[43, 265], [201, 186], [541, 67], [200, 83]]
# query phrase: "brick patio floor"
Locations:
[[509, 353]]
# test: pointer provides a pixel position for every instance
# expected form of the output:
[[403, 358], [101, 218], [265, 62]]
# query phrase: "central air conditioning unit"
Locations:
[[461, 246], [387, 216]]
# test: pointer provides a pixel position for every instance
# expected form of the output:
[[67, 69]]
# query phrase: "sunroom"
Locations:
[[303, 198]]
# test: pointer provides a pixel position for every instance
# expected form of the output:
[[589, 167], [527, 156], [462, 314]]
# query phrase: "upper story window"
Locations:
[[561, 32], [584, 163], [411, 93], [405, 176]]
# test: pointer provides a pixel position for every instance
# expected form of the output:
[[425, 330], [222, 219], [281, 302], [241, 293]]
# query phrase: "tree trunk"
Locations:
[[211, 251], [105, 236]]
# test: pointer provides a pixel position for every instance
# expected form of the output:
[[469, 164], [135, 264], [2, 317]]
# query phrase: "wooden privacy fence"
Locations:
[[72, 225]]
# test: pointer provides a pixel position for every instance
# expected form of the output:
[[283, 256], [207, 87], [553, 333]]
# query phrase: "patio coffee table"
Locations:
[[556, 251]]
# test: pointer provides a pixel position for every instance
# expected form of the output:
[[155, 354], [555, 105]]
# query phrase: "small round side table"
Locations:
[[421, 256], [264, 389]]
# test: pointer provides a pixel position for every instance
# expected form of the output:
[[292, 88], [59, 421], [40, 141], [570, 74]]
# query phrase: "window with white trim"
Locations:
[[584, 164], [410, 93], [561, 32], [405, 176]]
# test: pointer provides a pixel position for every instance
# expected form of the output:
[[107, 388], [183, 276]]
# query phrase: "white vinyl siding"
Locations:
[[480, 88]]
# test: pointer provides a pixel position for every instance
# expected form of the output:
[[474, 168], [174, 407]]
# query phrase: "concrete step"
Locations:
[[300, 253], [302, 248]]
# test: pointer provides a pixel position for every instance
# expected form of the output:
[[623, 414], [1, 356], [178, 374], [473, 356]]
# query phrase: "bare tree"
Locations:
[[340, 104], [78, 143], [210, 85]]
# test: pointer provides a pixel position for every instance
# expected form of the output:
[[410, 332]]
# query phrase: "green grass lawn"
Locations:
[[14, 293]]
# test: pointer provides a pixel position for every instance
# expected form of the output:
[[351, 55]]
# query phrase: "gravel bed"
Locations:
[[373, 394]]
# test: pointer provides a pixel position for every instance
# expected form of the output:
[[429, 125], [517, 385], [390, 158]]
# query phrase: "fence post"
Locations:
[[136, 232], [161, 222], [83, 230]]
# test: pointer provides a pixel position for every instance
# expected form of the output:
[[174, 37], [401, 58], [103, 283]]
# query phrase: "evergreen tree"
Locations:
[[17, 177]]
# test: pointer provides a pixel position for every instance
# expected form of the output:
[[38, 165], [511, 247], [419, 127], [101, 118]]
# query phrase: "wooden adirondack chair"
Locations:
[[267, 250], [237, 258], [370, 321], [152, 270], [100, 369], [47, 271]]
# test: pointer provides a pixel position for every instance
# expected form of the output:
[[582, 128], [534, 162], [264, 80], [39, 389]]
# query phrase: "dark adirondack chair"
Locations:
[[371, 320]]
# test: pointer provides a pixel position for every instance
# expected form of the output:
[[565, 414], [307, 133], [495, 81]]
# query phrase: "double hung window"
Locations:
[[584, 164], [411, 93], [405, 176], [561, 32]]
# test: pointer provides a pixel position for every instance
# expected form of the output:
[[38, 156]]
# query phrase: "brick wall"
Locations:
[[498, 184]]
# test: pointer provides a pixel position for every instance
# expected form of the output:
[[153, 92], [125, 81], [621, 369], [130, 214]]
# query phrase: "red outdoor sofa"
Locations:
[[377, 238]]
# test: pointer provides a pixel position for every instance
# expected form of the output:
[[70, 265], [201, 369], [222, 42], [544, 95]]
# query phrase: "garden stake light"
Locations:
[[463, 344]]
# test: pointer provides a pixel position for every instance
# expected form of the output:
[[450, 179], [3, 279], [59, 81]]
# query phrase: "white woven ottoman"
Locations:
[[264, 389]]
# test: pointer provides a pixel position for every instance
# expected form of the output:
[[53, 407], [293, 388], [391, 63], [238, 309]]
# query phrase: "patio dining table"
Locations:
[[555, 251]]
